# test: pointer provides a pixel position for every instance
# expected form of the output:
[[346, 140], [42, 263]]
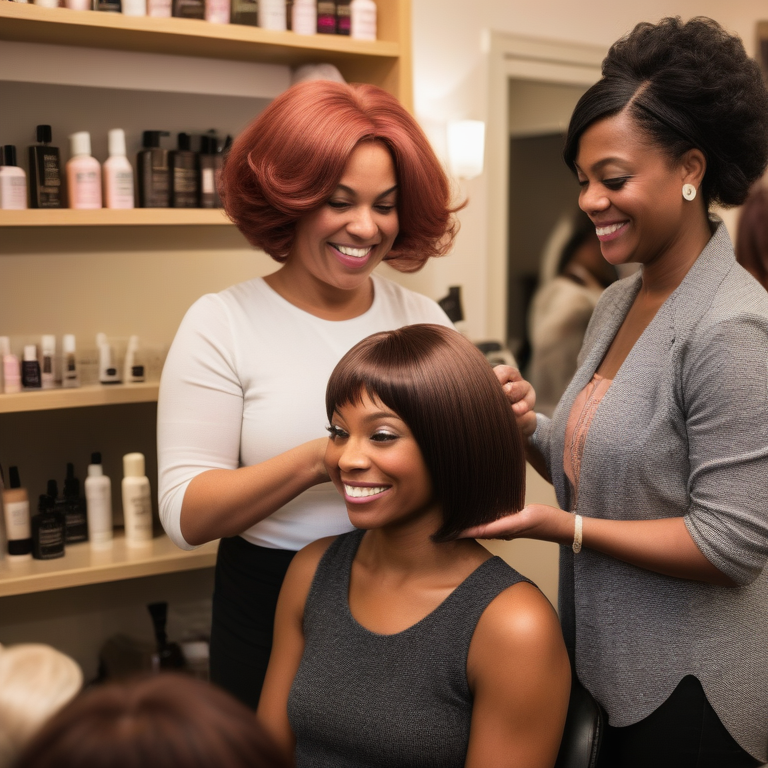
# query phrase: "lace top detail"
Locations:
[[583, 411]]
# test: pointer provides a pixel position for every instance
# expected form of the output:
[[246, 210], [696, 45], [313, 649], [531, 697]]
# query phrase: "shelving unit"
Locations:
[[97, 394], [62, 265], [385, 62], [83, 564], [105, 217]]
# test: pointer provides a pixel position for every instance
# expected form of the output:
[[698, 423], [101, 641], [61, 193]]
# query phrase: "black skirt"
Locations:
[[247, 584]]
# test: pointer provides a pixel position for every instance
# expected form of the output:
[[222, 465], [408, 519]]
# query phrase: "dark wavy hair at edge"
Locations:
[[163, 721], [687, 85], [289, 160], [443, 388], [752, 235]]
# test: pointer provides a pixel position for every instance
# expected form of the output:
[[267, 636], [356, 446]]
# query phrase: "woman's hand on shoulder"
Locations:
[[521, 396], [520, 676], [534, 521]]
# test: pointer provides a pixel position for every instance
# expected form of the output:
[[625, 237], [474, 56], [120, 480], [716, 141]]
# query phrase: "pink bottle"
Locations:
[[83, 173]]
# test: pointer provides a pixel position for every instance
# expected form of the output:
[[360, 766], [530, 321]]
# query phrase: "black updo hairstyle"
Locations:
[[687, 85]]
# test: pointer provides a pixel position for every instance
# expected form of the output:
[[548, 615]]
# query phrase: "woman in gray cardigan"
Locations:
[[658, 450]]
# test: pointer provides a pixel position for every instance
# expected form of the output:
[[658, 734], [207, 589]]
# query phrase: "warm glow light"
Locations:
[[466, 146]]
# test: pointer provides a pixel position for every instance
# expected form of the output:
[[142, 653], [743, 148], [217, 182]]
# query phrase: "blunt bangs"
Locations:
[[442, 387]]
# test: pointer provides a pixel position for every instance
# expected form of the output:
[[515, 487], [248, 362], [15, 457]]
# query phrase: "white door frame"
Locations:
[[523, 58]]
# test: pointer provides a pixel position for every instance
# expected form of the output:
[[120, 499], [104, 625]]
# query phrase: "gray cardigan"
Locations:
[[682, 431]]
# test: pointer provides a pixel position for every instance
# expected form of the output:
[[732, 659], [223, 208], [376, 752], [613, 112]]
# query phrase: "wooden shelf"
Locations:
[[82, 564], [97, 394], [385, 62], [190, 37], [106, 217]]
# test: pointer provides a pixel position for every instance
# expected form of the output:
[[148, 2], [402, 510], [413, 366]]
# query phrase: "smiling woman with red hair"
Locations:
[[330, 180]]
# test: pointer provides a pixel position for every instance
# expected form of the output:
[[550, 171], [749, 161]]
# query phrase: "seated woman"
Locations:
[[396, 644]]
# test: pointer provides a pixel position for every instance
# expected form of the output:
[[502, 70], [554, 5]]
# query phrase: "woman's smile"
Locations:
[[360, 493]]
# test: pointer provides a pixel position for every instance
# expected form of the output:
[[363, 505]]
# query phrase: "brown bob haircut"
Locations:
[[164, 721], [443, 388], [289, 160]]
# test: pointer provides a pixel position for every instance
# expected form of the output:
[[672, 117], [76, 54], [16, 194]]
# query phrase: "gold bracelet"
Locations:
[[577, 535]]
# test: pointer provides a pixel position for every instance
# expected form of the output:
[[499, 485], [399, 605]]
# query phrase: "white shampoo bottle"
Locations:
[[98, 504], [137, 502], [362, 19], [118, 173]]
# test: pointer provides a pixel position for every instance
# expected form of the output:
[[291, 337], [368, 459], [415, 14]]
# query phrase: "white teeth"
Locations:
[[358, 492], [357, 253], [609, 230]]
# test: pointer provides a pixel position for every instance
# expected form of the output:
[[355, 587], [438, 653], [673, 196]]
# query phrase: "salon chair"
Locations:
[[583, 730]]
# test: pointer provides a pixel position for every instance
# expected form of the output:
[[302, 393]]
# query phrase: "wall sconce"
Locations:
[[466, 146]]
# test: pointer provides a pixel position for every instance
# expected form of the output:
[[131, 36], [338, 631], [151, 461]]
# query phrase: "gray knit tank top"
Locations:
[[364, 700]]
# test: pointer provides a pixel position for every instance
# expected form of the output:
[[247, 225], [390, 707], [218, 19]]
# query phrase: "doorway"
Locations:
[[534, 85], [542, 192]]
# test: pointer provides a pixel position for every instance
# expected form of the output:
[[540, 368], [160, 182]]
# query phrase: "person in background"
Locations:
[[752, 235], [330, 180], [36, 680], [396, 644], [658, 450], [561, 310], [164, 721]]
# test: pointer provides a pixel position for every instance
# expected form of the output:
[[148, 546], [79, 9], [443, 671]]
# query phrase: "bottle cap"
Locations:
[[68, 343], [151, 139], [184, 142], [53, 489], [116, 140], [5, 346], [80, 143], [30, 353], [45, 502], [49, 344], [9, 153], [13, 477], [209, 144], [133, 465], [71, 483], [95, 468], [44, 134]]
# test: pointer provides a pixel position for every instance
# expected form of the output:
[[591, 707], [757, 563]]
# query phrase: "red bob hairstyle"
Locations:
[[290, 159]]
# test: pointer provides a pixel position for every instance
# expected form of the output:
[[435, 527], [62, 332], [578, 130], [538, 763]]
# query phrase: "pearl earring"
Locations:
[[689, 192]]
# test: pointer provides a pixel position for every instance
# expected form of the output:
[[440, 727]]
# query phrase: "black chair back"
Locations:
[[583, 730]]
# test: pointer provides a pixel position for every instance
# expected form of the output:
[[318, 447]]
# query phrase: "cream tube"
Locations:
[[47, 372], [108, 373], [133, 371], [69, 375]]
